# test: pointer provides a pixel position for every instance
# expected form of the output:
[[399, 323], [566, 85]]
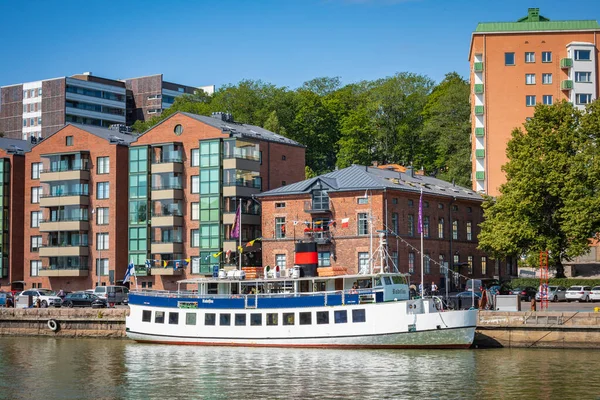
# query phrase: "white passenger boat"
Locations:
[[298, 312]]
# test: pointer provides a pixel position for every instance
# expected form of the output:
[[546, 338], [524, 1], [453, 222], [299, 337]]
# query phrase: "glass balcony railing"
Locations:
[[64, 168], [254, 183], [66, 193], [66, 219], [167, 186]]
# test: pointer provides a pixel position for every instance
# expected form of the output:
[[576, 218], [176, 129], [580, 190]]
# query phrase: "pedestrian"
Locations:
[[434, 289]]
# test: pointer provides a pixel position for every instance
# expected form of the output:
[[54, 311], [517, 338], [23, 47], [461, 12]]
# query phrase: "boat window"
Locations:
[[387, 280], [174, 318], [272, 319], [358, 315], [240, 319], [146, 316], [397, 279], [340, 317], [225, 319], [159, 317], [190, 318], [288, 319], [305, 318], [255, 319], [378, 282], [210, 318], [322, 317]]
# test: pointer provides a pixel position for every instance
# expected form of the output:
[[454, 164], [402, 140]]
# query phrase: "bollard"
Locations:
[[533, 304], [596, 309]]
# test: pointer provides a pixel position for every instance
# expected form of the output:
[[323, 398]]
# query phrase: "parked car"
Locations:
[[527, 293], [113, 294], [555, 293], [499, 289], [46, 296], [579, 293], [595, 293], [83, 299], [7, 299]]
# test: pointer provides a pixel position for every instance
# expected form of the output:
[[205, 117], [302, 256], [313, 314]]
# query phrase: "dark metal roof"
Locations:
[[107, 134], [358, 177], [15, 145]]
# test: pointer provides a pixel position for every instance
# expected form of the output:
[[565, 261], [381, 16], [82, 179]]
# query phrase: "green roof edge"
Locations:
[[537, 26]]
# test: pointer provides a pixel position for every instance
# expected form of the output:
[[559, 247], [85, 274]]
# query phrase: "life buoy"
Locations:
[[53, 325]]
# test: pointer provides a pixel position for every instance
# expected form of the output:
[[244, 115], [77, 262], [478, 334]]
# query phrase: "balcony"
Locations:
[[317, 207], [166, 220], [566, 63], [248, 164], [57, 271], [478, 88], [168, 271], [172, 164], [247, 219], [66, 174], [478, 110], [479, 132], [64, 224], [64, 251], [241, 188], [65, 199], [166, 247], [479, 153], [567, 84], [480, 175], [167, 192], [478, 67], [318, 235]]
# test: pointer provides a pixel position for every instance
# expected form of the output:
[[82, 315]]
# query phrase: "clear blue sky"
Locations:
[[285, 42]]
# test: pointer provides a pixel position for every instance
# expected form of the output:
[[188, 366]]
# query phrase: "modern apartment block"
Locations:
[[188, 176], [75, 208], [516, 65], [335, 212], [12, 181], [38, 109]]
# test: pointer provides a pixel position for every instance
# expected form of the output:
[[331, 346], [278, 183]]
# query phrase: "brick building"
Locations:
[[516, 65], [75, 208], [187, 177], [333, 211]]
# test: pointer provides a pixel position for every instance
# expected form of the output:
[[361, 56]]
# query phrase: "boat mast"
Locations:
[[371, 232]]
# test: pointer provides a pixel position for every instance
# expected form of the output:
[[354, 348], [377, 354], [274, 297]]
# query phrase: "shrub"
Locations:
[[566, 282]]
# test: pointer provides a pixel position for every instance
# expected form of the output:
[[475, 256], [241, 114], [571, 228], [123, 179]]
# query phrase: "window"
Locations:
[[583, 76], [583, 98], [411, 225], [102, 241], [363, 262], [547, 99], [322, 317], [411, 262], [102, 165], [440, 206], [455, 208], [279, 205], [469, 226], [395, 222], [283, 183], [583, 55], [363, 224], [411, 203], [426, 226], [283, 158], [195, 212], [195, 157], [224, 319], [426, 264], [455, 230], [36, 168], [69, 141], [425, 204], [195, 238], [102, 267], [255, 319], [546, 79], [174, 318], [25, 122], [483, 265], [280, 227], [530, 101], [146, 316], [34, 267], [305, 318], [36, 243], [395, 200], [240, 319], [362, 200], [324, 259], [359, 315], [39, 91], [210, 319], [195, 184], [190, 318], [529, 57], [36, 193], [470, 262], [102, 190], [102, 216], [456, 259], [159, 317], [441, 228], [36, 216], [530, 79], [395, 258], [509, 58], [272, 319], [546, 56], [288, 319], [280, 260]]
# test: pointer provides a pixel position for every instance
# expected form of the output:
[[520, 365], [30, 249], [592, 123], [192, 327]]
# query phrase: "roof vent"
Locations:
[[115, 139], [120, 128], [225, 117], [410, 171]]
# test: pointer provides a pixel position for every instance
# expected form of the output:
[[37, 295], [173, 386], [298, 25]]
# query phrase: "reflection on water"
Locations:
[[44, 368]]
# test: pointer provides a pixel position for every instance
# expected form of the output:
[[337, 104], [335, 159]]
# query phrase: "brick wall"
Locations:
[[53, 106], [11, 111]]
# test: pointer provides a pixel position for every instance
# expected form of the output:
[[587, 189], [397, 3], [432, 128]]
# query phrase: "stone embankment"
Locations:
[[70, 322], [538, 329]]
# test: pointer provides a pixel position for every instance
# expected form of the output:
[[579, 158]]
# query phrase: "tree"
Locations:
[[550, 200]]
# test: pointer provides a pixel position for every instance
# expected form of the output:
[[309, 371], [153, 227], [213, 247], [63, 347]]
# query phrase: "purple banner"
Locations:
[[235, 229], [420, 227]]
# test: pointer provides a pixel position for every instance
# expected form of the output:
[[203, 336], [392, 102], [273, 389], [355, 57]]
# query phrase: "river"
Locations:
[[47, 369]]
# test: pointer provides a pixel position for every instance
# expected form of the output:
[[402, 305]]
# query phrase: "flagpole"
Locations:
[[371, 233], [422, 254], [240, 235]]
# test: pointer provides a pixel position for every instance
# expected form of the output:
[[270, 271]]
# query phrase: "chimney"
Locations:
[[87, 73], [410, 171], [225, 117], [375, 164]]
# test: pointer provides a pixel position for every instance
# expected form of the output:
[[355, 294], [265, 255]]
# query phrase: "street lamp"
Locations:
[[99, 259]]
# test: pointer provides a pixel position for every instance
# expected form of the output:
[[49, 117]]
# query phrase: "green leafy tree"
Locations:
[[550, 200]]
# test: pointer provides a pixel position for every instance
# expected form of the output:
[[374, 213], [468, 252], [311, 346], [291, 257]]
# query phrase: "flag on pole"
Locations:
[[420, 227], [331, 223], [186, 262], [217, 255], [250, 243], [130, 271], [235, 228], [240, 249], [345, 222], [164, 263], [148, 264]]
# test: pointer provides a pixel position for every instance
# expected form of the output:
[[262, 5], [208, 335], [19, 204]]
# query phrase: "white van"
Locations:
[[113, 294]]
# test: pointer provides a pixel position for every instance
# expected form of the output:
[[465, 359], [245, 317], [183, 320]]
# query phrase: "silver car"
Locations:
[[595, 293], [555, 293], [579, 293]]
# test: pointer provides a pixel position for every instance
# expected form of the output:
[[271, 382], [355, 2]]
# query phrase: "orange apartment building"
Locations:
[[332, 211], [516, 65]]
